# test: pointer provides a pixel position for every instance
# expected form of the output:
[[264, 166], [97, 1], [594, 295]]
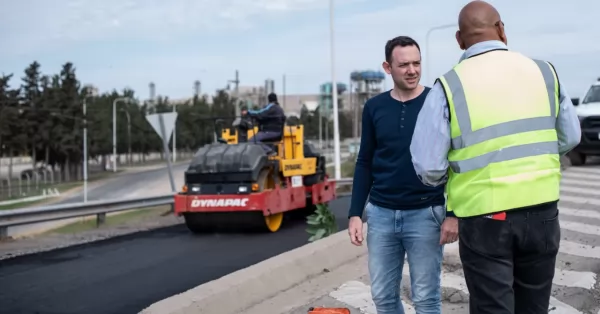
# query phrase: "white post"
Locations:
[[85, 155], [115, 129], [336, 127], [174, 136], [115, 135]]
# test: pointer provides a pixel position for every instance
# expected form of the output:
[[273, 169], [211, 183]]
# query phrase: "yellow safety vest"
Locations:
[[504, 152]]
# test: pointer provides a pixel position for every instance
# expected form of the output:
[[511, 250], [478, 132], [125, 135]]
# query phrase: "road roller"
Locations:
[[232, 184]]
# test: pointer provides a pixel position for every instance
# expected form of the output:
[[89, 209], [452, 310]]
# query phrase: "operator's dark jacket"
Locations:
[[271, 118]]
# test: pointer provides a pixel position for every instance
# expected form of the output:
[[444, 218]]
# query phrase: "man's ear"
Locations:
[[386, 67], [459, 40], [502, 33]]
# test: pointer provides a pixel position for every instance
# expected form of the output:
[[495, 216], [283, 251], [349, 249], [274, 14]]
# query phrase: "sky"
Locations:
[[117, 44]]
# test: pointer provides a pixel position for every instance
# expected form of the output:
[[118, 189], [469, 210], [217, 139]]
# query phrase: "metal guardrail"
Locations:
[[16, 217]]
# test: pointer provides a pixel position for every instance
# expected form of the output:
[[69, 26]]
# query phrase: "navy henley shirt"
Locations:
[[384, 172]]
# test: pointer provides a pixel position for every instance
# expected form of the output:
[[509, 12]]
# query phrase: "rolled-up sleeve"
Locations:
[[568, 128], [431, 139]]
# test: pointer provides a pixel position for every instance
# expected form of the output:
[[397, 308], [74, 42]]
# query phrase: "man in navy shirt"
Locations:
[[404, 215]]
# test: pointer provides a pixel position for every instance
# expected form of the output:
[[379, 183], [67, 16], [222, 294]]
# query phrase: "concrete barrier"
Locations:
[[249, 286]]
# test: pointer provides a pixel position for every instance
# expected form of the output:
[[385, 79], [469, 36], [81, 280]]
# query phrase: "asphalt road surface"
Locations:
[[124, 185], [144, 183], [125, 275]]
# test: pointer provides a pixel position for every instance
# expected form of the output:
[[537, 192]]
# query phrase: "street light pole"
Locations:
[[427, 47], [115, 129], [128, 135], [236, 92], [283, 86], [174, 136], [115, 135], [85, 153], [336, 128]]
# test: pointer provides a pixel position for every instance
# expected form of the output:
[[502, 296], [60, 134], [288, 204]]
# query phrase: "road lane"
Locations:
[[124, 275], [144, 183], [127, 184]]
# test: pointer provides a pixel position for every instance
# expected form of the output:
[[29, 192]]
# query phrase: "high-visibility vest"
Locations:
[[504, 149]]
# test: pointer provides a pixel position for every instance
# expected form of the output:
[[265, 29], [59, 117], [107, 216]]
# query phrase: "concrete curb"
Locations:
[[233, 293]]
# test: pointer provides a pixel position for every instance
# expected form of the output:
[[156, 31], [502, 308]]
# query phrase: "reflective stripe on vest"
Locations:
[[468, 137]]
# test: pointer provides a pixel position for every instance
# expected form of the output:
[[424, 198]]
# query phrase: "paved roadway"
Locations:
[[125, 275], [576, 288], [130, 185], [141, 183]]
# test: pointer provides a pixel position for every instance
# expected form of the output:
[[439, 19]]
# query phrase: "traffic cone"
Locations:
[[328, 310]]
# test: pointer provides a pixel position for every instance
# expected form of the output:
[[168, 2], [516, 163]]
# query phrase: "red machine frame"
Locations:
[[273, 201]]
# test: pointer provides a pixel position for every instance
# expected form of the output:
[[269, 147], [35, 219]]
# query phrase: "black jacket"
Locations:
[[270, 118]]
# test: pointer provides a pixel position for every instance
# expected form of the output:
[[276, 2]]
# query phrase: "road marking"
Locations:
[[565, 181], [561, 308], [580, 227], [577, 279], [578, 200], [579, 212], [583, 170], [586, 191], [578, 249], [580, 176]]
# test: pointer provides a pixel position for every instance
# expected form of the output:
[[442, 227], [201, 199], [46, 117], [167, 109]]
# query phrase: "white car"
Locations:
[[588, 111]]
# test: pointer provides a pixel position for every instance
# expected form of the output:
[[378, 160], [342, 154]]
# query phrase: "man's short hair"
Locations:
[[402, 41]]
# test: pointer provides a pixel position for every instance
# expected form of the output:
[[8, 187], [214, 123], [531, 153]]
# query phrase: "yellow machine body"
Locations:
[[290, 150]]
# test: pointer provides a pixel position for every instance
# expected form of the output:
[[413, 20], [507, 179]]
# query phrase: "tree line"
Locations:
[[43, 118]]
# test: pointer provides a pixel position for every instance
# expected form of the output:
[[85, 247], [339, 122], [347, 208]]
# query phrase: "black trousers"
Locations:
[[509, 264]]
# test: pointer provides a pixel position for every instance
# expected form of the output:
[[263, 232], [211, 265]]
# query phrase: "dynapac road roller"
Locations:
[[234, 184]]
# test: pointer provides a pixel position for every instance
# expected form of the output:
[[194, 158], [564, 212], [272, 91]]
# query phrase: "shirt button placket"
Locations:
[[402, 116]]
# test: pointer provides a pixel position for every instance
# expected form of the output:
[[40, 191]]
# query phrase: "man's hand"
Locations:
[[355, 229], [449, 232]]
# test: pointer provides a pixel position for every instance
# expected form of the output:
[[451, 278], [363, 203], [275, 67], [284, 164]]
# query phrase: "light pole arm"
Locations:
[[431, 30]]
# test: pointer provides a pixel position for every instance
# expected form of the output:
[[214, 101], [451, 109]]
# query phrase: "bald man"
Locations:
[[493, 129]]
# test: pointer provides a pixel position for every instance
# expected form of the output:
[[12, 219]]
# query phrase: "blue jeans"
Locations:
[[390, 235]]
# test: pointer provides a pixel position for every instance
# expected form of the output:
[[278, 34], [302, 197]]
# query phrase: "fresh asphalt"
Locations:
[[126, 274]]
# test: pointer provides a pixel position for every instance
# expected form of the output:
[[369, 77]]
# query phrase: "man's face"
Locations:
[[405, 67]]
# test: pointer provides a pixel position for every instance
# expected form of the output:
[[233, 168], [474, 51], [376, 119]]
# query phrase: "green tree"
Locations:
[[12, 135], [31, 98]]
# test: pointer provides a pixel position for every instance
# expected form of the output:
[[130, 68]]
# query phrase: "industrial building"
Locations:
[[363, 85]]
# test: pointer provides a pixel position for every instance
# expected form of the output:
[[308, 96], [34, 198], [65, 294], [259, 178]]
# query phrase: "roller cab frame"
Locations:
[[234, 184]]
